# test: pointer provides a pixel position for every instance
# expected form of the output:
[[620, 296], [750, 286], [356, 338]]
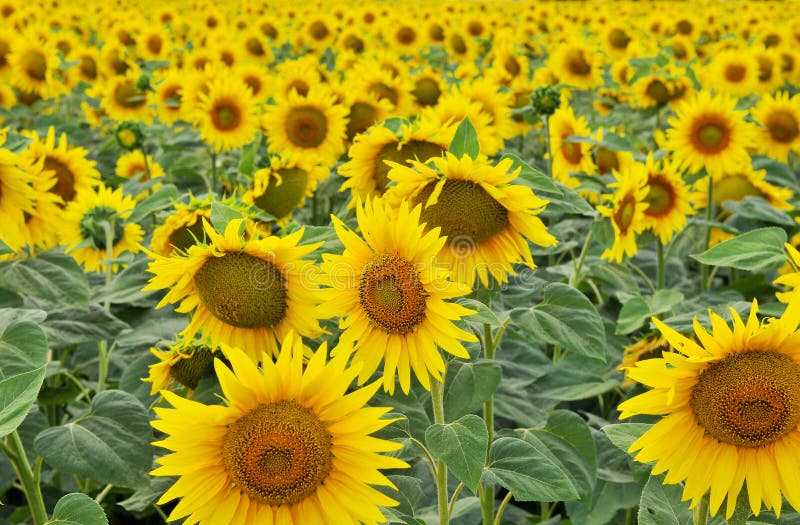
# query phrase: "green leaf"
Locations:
[[55, 277], [465, 141], [162, 198], [78, 509], [5, 249], [567, 201], [17, 395], [483, 314], [69, 326], [126, 287], [755, 250], [758, 209], [662, 505], [623, 435], [23, 345], [110, 444], [247, 159], [140, 500], [222, 214], [468, 386], [567, 441], [531, 177], [564, 317], [576, 377], [462, 445], [526, 472], [638, 310]]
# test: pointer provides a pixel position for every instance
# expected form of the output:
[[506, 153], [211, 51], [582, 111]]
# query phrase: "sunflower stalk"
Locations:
[[103, 355], [660, 275], [707, 237], [700, 512], [575, 280], [15, 451], [487, 490], [437, 400]]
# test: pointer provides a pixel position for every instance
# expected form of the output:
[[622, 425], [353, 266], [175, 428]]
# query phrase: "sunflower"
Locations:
[[167, 96], [569, 157], [133, 166], [289, 446], [647, 348], [34, 67], [737, 185], [256, 77], [454, 106], [124, 100], [75, 174], [730, 406], [183, 362], [428, 87], [790, 273], [495, 103], [779, 117], [627, 211], [364, 110], [487, 220], [311, 126], [769, 68], [226, 115], [668, 199], [283, 186], [17, 198], [43, 224], [710, 133], [298, 75], [733, 72], [244, 293], [366, 172], [577, 64], [88, 222], [392, 296]]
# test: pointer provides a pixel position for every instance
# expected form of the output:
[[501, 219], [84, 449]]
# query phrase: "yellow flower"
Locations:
[[392, 296], [668, 199], [779, 117], [244, 293], [288, 446], [730, 408], [569, 157], [226, 115], [487, 219], [17, 197], [627, 210], [183, 362]]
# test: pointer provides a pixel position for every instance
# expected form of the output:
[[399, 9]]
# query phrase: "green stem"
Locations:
[[146, 163], [576, 280], [660, 275], [103, 493], [643, 275], [549, 146], [700, 512], [454, 498], [30, 481], [102, 346], [487, 490], [437, 399], [502, 509], [213, 183], [707, 241]]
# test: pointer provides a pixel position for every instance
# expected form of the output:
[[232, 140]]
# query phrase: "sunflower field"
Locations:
[[422, 263]]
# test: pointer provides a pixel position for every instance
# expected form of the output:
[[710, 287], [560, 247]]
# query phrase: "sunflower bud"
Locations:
[[545, 100], [129, 136]]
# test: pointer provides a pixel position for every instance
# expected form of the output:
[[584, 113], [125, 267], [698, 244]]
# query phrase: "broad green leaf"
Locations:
[[126, 287], [110, 444], [567, 318], [531, 177], [23, 345], [222, 214], [566, 201], [638, 310], [247, 159], [5, 249], [758, 209], [576, 377], [409, 493], [526, 472], [623, 435], [755, 250], [662, 505], [462, 445], [483, 314], [142, 498], [17, 395], [566, 439], [78, 509], [465, 140], [161, 198], [69, 326], [54, 277], [468, 386]]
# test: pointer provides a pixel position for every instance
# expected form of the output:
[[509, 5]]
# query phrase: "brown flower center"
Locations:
[[623, 216], [127, 95], [188, 370], [711, 134], [426, 92], [735, 72], [306, 126], [242, 290], [381, 91], [660, 196], [187, 236], [734, 188], [465, 211], [658, 92], [749, 399], [278, 454], [226, 115], [606, 160], [65, 180], [782, 126], [572, 152], [35, 64], [618, 39], [577, 64], [280, 200], [406, 35], [362, 116], [318, 30], [392, 295], [88, 67]]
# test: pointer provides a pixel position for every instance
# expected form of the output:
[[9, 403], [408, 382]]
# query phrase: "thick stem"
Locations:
[[437, 399], [487, 490], [660, 276], [102, 346], [700, 512], [30, 482], [707, 241]]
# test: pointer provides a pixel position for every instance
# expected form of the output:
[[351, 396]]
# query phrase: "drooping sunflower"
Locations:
[[75, 173], [226, 115], [312, 126], [366, 172], [710, 133], [243, 293], [392, 296], [288, 446], [283, 186], [730, 407], [183, 228], [627, 211], [184, 362], [668, 198], [779, 117], [89, 219], [17, 197], [487, 219], [569, 157]]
